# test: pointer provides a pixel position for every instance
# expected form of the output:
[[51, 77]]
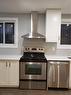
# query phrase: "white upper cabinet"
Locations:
[[53, 23]]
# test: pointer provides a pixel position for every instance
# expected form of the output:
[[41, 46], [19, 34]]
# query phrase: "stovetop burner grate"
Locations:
[[33, 56]]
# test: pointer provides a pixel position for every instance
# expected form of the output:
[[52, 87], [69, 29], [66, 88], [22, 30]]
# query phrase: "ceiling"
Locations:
[[22, 6]]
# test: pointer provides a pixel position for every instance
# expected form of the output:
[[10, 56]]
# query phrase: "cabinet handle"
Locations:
[[6, 64], [9, 64], [53, 67], [58, 75]]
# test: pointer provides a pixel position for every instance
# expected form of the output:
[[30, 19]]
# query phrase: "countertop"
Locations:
[[58, 57], [49, 57], [10, 57]]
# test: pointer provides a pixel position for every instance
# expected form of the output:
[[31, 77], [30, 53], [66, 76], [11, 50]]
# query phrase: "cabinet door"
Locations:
[[3, 73], [52, 75], [13, 77], [63, 75], [53, 23], [70, 76]]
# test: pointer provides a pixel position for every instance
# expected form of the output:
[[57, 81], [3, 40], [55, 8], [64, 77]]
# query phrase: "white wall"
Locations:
[[24, 26]]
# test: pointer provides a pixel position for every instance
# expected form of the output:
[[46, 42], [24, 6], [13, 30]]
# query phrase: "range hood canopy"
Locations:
[[34, 23]]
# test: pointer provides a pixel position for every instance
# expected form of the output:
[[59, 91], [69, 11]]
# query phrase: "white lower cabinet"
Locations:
[[9, 73], [3, 73], [70, 76]]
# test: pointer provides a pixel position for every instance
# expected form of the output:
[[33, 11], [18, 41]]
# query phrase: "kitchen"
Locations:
[[10, 54]]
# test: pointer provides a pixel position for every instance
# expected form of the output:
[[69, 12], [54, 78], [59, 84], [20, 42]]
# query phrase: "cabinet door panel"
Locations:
[[52, 76], [13, 77], [3, 73], [64, 75], [53, 22], [70, 76]]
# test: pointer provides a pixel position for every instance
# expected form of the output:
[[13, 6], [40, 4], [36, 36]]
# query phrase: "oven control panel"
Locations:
[[33, 49]]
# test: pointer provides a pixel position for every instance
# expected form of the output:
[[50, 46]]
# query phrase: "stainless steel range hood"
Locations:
[[34, 23]]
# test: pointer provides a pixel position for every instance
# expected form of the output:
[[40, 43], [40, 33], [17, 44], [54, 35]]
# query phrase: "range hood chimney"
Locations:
[[34, 24]]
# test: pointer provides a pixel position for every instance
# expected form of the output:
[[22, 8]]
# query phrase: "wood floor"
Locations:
[[6, 91]]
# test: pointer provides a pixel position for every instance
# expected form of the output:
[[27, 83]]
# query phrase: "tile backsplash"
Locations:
[[51, 49]]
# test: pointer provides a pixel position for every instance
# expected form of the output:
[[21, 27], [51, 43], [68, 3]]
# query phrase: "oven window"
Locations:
[[33, 69]]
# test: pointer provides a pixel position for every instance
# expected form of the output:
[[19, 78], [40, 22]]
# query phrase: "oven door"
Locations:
[[33, 70]]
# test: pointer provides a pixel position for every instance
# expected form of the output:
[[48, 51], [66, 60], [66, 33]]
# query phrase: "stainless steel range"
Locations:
[[33, 69]]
